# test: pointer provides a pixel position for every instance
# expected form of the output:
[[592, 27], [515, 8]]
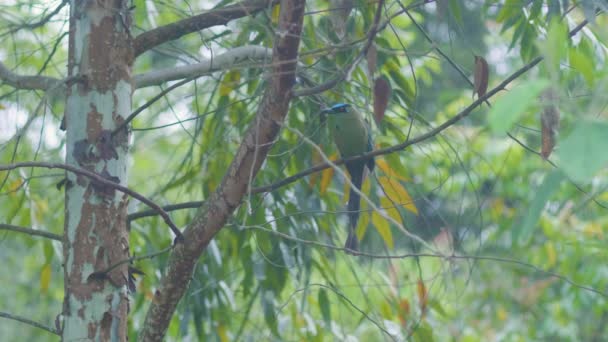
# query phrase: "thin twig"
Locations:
[[130, 260], [431, 255], [149, 103], [29, 322], [30, 231], [101, 180]]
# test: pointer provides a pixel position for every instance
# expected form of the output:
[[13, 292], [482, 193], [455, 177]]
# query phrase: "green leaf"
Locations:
[[511, 8], [269, 312], [454, 7], [325, 308], [523, 231], [423, 333], [509, 108], [556, 44], [583, 152], [583, 64]]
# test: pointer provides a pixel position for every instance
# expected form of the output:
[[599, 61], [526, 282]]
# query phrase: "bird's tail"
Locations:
[[354, 201]]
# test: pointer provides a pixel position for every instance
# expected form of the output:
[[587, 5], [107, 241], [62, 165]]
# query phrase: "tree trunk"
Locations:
[[99, 93]]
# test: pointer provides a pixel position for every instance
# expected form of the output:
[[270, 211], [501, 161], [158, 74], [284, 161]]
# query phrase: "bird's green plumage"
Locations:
[[352, 137]]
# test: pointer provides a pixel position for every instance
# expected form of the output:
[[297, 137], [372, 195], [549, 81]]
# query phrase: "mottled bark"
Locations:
[[258, 140], [95, 237]]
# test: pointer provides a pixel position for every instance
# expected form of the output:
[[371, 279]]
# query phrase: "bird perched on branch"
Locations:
[[352, 136]]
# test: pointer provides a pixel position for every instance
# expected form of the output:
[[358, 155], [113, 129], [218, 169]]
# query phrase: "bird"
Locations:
[[352, 136]]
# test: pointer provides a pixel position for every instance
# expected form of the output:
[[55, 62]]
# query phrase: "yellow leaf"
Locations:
[[363, 222], [422, 295], [229, 82], [45, 278], [551, 254], [390, 209], [2, 106], [276, 10], [390, 172], [221, 332], [327, 174], [502, 313], [326, 177], [382, 226], [397, 193], [15, 185], [316, 158], [404, 310]]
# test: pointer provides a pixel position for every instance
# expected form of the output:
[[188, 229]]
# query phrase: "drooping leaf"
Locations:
[[583, 152], [372, 60], [230, 80], [389, 171], [382, 95], [404, 311], [45, 277], [422, 295], [325, 307], [384, 229], [549, 123], [523, 230], [481, 75], [390, 209], [397, 193], [510, 107]]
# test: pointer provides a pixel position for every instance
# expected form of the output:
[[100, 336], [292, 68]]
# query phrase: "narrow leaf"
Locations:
[[549, 123], [389, 171], [397, 193], [45, 277], [510, 107], [390, 209], [326, 177], [583, 152], [383, 227], [382, 95], [325, 307], [422, 295], [372, 60], [550, 184], [481, 75]]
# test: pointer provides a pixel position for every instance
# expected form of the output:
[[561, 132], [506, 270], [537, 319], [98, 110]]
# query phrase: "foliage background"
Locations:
[[512, 218]]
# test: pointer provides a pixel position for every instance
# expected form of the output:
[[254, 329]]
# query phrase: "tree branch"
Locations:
[[258, 140], [214, 17], [430, 255], [26, 82], [37, 24], [29, 322], [30, 231], [102, 181], [462, 114], [229, 59]]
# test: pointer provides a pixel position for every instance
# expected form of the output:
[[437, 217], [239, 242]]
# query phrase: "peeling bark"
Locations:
[[95, 237]]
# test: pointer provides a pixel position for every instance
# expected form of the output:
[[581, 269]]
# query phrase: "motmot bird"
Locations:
[[352, 137]]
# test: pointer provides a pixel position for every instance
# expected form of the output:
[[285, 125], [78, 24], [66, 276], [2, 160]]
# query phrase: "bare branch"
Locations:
[[229, 59], [252, 152], [171, 207], [214, 17], [102, 181], [30, 231], [26, 82], [41, 22], [29, 322]]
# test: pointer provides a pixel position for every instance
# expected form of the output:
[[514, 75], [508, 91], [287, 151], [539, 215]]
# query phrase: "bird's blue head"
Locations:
[[338, 108]]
